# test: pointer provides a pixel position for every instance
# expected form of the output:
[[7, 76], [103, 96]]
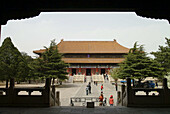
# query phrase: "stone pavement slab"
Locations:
[[84, 110]]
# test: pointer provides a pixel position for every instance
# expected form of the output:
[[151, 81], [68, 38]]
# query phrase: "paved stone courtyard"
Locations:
[[68, 90]]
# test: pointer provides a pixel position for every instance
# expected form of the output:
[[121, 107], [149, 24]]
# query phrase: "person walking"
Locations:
[[89, 86], [87, 89], [156, 83], [111, 100], [116, 86], [96, 83], [85, 79], [107, 77], [102, 87], [101, 100]]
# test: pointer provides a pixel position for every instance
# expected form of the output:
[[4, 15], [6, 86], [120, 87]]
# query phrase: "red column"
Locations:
[[96, 69], [68, 71], [79, 69], [108, 70]]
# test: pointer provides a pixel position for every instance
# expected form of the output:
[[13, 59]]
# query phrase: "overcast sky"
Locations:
[[127, 28]]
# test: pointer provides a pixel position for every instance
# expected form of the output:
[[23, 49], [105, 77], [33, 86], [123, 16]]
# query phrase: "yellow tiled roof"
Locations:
[[89, 47]]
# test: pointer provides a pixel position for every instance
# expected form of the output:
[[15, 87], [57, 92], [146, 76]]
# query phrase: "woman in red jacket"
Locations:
[[111, 100], [101, 100]]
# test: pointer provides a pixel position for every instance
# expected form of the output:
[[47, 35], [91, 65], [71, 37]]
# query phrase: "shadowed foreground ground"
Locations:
[[84, 110]]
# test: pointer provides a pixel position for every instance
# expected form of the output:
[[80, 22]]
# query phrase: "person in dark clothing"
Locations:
[[107, 77], [156, 83], [116, 86], [89, 86]]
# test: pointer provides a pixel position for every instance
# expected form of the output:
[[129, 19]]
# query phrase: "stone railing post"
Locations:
[[165, 92], [53, 93], [129, 92], [57, 98], [118, 98], [11, 92], [46, 93], [123, 91], [165, 83]]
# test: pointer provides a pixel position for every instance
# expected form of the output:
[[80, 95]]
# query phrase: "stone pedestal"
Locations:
[[90, 104]]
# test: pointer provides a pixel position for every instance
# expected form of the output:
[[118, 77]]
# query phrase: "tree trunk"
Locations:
[[29, 81], [48, 83], [12, 83], [133, 82], [7, 83], [139, 82], [53, 81]]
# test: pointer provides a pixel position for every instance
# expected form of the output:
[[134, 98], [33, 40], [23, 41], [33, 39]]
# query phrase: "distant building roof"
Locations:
[[88, 47]]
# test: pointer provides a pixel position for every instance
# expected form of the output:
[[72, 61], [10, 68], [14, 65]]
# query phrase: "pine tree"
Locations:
[[30, 69], [51, 65], [163, 55], [12, 64], [138, 66]]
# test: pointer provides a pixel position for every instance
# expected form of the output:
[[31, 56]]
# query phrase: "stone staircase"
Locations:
[[98, 78], [78, 78]]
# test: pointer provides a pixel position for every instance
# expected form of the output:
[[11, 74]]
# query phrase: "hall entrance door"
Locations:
[[88, 72], [103, 71], [73, 71]]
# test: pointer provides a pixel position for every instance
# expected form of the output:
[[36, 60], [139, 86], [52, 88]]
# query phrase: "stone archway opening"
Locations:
[[88, 72]]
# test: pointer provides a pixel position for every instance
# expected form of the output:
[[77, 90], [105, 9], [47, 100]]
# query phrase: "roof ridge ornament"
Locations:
[[114, 40], [62, 40]]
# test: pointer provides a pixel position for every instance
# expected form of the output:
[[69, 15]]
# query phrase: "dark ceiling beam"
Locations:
[[21, 9]]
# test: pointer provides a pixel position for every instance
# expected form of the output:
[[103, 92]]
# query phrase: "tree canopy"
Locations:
[[137, 65], [115, 73], [163, 55], [50, 64], [12, 64]]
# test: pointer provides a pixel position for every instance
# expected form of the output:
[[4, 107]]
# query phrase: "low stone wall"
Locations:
[[161, 99], [11, 97]]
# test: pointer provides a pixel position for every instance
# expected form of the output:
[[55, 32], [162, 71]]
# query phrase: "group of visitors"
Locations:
[[88, 88], [102, 101], [95, 83], [105, 76]]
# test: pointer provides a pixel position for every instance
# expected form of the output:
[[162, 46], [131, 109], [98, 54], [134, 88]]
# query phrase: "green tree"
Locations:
[[163, 55], [30, 69], [114, 73], [12, 64], [37, 68], [138, 66], [51, 65]]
